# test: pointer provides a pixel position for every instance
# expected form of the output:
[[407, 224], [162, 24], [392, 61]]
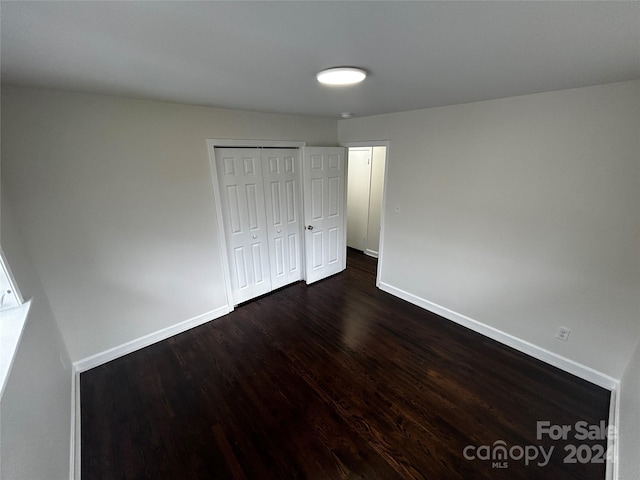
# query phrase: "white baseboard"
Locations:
[[146, 340], [371, 253], [563, 363], [111, 354], [575, 368]]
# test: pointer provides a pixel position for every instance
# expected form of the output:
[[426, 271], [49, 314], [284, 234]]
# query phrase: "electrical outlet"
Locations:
[[563, 333]]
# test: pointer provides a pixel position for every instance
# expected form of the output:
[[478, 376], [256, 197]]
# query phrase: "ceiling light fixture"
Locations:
[[341, 76], [346, 114]]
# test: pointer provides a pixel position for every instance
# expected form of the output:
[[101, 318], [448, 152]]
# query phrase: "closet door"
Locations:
[[281, 175], [242, 201]]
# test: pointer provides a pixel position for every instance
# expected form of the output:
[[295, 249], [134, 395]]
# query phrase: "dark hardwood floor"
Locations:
[[337, 380]]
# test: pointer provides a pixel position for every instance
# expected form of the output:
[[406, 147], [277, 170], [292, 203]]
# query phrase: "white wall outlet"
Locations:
[[563, 333], [397, 209]]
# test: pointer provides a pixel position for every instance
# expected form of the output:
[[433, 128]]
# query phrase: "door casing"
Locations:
[[378, 143]]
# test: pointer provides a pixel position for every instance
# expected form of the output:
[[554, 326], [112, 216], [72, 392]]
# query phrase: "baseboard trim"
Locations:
[[111, 354], [146, 340], [563, 363], [371, 253]]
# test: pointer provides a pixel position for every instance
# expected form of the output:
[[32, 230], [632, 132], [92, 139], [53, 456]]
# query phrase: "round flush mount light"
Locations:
[[341, 76], [346, 114]]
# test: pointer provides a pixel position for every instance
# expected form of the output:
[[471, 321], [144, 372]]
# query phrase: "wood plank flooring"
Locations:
[[337, 380]]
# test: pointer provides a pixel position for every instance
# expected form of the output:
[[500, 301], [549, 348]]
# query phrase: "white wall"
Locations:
[[35, 411], [629, 428], [522, 214], [115, 201]]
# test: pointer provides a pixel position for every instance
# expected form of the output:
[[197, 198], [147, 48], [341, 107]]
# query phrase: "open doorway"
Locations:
[[365, 190]]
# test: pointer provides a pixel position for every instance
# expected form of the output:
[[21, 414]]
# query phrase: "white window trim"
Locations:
[[12, 322]]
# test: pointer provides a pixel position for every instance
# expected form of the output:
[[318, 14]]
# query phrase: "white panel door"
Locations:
[[243, 214], [324, 216], [281, 174]]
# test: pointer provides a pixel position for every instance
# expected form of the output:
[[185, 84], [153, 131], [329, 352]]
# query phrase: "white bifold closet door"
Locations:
[[281, 177], [260, 200]]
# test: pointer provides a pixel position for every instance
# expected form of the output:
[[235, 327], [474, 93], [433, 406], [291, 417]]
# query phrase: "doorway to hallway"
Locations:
[[365, 188]]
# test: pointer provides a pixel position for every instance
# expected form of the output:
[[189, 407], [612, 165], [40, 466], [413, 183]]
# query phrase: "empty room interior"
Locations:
[[323, 240]]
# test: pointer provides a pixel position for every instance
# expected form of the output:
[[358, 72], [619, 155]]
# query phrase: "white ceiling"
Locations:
[[264, 55]]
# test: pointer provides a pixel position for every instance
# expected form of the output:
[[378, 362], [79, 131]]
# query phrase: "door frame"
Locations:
[[212, 144], [376, 143]]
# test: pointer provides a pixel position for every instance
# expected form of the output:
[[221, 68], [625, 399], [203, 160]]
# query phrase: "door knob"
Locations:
[[255, 236], [310, 227]]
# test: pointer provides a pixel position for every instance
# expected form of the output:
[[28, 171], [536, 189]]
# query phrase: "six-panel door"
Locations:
[[280, 172], [242, 201], [263, 218], [323, 193]]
